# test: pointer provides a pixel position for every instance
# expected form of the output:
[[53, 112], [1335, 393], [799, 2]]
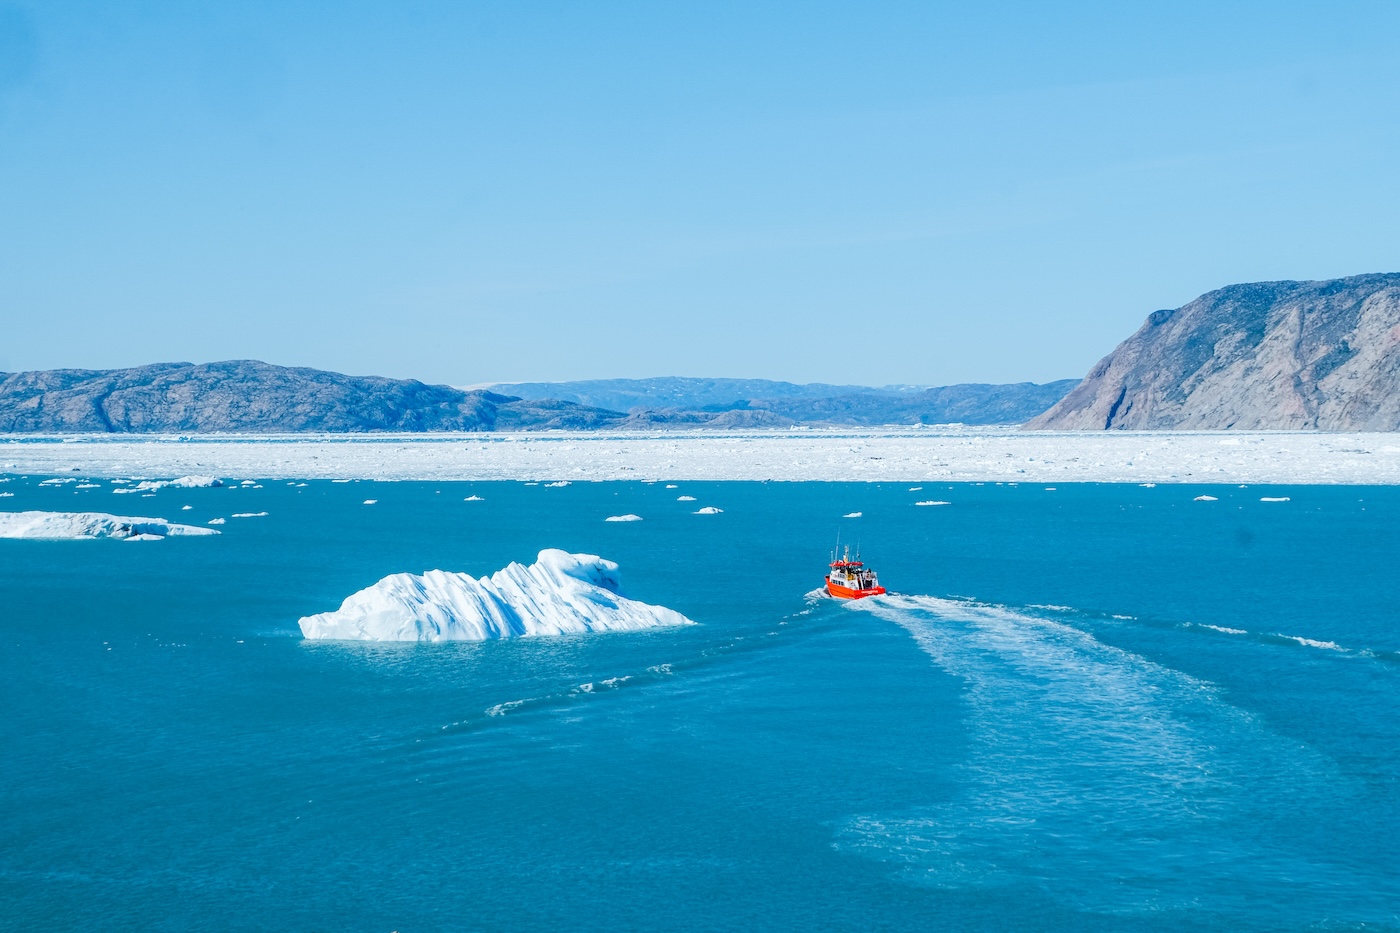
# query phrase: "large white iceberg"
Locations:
[[81, 525], [559, 594]]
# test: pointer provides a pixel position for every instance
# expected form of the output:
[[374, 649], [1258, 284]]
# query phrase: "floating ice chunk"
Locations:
[[59, 481], [85, 525], [916, 488], [473, 499], [6, 495], [371, 501], [88, 486], [853, 515], [1206, 499], [186, 508], [341, 481], [144, 486], [557, 485], [217, 521], [933, 502], [1273, 499], [1148, 485], [248, 515], [708, 510], [629, 517], [685, 498], [559, 594], [197, 482], [248, 482], [672, 486], [143, 536]]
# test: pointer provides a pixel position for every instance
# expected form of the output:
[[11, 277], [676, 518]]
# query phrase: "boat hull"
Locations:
[[845, 592]]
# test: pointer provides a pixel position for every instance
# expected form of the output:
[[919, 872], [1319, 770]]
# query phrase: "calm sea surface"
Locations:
[[1096, 707]]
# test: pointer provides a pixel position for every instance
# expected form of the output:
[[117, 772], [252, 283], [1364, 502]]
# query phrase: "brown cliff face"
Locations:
[[1264, 356]]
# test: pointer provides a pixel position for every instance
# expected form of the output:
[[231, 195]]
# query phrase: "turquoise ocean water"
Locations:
[[1097, 707]]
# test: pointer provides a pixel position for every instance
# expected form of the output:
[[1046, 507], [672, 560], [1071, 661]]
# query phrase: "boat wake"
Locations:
[[1090, 763]]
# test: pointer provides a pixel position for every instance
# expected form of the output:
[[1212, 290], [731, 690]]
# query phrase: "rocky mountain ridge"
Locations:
[[252, 396], [1309, 355]]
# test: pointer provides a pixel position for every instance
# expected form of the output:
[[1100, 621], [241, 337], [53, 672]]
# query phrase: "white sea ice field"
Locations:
[[559, 594], [941, 454]]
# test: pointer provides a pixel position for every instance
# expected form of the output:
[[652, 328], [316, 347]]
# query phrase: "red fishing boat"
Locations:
[[851, 579]]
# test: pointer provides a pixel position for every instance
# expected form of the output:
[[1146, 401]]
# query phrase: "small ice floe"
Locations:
[[217, 521], [933, 502], [89, 525], [473, 499], [560, 594], [59, 481], [708, 510], [248, 515], [88, 486], [853, 515], [672, 486], [629, 517], [1274, 499], [559, 484], [145, 486], [196, 482], [1206, 499], [1148, 485], [916, 489], [186, 508], [181, 482], [6, 495], [371, 502], [685, 498], [1049, 488], [341, 481], [248, 482]]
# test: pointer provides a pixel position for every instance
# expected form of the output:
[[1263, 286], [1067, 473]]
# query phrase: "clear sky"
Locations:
[[858, 193]]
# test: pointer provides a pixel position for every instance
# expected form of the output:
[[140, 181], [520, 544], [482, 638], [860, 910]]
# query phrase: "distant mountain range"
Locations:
[[1269, 355], [251, 396], [764, 403], [1321, 355]]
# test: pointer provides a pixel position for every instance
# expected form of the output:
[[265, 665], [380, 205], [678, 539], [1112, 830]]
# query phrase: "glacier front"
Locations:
[[559, 594]]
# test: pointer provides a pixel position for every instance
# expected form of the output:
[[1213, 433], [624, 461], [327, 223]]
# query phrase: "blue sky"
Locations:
[[863, 192]]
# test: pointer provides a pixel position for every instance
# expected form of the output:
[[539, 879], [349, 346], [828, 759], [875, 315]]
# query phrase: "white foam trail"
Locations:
[[1314, 643], [1085, 761]]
